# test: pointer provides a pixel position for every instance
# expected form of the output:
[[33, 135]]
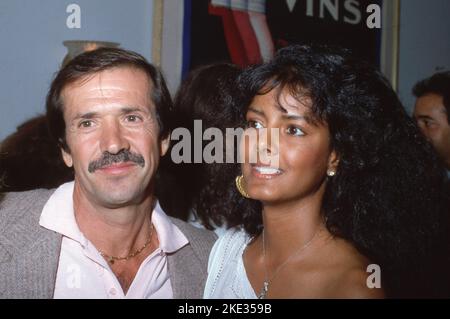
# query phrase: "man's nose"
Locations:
[[113, 138], [424, 130]]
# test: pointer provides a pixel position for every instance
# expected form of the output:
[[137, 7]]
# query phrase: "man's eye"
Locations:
[[132, 118], [429, 123], [85, 124], [254, 124], [293, 130]]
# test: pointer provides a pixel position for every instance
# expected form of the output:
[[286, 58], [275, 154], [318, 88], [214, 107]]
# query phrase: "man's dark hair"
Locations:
[[438, 84], [90, 63]]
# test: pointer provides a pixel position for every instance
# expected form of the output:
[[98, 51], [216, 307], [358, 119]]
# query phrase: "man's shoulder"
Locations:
[[201, 240], [28, 253], [27, 199], [188, 265], [194, 233], [29, 203]]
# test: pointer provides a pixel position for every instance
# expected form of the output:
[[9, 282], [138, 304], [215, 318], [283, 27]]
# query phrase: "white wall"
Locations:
[[31, 45], [424, 43]]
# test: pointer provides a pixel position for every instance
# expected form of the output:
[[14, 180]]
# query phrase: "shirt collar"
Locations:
[[58, 215], [170, 236]]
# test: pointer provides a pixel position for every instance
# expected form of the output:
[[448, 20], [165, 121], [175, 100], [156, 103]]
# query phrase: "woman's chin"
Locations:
[[265, 196]]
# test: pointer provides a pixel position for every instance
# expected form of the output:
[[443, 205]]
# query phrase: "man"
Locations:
[[432, 112], [103, 235]]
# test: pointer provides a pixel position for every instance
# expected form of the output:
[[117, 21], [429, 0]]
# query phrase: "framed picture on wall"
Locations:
[[247, 32]]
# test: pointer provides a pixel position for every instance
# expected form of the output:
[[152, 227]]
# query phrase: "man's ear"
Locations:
[[165, 142], [67, 157]]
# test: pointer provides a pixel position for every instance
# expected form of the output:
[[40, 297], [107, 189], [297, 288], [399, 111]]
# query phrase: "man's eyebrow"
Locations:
[[423, 117], [130, 109], [89, 115]]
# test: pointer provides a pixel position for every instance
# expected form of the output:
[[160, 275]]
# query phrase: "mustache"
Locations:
[[123, 156]]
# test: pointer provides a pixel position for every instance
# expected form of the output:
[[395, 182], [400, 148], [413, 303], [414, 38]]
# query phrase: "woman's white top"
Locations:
[[226, 273]]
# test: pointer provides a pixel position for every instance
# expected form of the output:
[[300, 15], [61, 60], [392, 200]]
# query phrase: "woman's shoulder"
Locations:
[[352, 274], [230, 242], [224, 265], [357, 283]]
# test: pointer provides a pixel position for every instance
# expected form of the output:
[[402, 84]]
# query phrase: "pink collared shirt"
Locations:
[[84, 273]]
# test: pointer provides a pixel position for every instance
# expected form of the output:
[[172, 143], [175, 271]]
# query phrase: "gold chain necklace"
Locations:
[[267, 280], [112, 259]]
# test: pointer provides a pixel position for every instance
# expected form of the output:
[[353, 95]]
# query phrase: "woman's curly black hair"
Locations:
[[205, 189], [387, 195]]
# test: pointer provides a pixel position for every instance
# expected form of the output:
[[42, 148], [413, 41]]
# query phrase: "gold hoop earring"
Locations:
[[240, 187]]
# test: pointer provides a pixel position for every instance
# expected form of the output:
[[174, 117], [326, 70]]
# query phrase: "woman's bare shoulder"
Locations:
[[347, 272]]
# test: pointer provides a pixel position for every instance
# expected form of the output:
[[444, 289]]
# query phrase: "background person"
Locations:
[[432, 112]]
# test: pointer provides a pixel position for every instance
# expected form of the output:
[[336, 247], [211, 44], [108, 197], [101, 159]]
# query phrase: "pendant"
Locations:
[[263, 293]]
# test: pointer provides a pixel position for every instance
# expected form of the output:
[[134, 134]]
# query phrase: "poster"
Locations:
[[247, 32]]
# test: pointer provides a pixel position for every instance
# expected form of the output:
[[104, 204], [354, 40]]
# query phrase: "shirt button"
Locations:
[[161, 253], [112, 291]]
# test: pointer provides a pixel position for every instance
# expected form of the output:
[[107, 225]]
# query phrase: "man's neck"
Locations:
[[117, 231]]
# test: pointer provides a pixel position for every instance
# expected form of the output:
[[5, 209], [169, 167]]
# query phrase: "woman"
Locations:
[[350, 183]]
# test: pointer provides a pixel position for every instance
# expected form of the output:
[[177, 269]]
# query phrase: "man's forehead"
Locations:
[[431, 99], [430, 103], [117, 75], [130, 86]]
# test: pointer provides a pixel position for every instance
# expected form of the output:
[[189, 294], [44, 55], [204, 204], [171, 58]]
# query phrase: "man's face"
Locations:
[[431, 117], [112, 135]]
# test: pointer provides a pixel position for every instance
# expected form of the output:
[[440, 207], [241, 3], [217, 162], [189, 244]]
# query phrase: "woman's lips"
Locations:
[[266, 172]]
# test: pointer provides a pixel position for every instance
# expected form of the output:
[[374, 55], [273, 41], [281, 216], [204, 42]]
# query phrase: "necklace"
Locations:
[[112, 259], [267, 280]]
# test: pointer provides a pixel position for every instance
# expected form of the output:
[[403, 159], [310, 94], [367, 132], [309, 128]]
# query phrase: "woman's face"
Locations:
[[294, 165]]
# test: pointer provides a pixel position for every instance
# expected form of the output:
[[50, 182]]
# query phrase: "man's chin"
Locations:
[[116, 198]]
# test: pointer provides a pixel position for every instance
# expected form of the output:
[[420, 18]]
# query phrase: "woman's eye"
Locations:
[[292, 130], [254, 124]]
